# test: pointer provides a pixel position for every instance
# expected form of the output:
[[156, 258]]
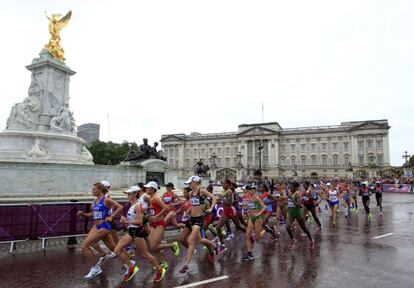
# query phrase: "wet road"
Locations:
[[345, 256]]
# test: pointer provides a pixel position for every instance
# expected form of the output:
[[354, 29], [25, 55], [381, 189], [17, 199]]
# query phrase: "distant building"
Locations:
[[89, 132], [358, 148]]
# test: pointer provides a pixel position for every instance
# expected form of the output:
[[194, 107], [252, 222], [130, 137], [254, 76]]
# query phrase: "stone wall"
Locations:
[[40, 179]]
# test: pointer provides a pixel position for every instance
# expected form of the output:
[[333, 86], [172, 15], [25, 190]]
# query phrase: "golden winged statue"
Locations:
[[56, 24]]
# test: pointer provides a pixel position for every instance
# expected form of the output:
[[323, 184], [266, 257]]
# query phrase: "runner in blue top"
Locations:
[[101, 228]]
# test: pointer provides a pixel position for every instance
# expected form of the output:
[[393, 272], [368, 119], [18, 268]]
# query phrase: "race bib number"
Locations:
[[97, 215], [167, 199], [305, 198], [365, 194], [195, 201], [251, 206], [291, 204], [151, 212]]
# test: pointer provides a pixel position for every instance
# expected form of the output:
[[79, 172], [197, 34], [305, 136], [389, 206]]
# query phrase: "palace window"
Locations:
[[335, 160], [369, 144], [379, 159], [335, 147], [379, 144], [313, 160], [360, 145], [324, 160], [303, 160], [346, 157], [346, 146], [361, 160]]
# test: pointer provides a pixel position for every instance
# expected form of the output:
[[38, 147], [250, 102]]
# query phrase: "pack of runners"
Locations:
[[250, 211]]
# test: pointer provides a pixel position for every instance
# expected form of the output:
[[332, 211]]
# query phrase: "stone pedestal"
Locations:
[[239, 174], [42, 128], [213, 175]]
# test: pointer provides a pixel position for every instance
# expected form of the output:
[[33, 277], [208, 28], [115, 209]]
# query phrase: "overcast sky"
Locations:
[[161, 67]]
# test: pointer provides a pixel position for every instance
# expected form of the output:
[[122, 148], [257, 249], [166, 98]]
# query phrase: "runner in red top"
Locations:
[[171, 199], [156, 212]]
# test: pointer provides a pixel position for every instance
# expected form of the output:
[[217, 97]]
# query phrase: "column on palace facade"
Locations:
[[271, 152], [354, 149], [181, 156], [386, 149]]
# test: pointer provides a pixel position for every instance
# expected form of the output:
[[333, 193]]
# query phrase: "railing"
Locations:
[[22, 222]]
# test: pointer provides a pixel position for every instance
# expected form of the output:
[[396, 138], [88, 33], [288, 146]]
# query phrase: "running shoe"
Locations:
[[160, 275], [111, 255], [211, 257], [303, 234], [95, 271], [293, 243], [176, 248], [333, 223], [231, 236], [125, 267], [103, 259], [220, 249], [381, 214], [164, 264], [132, 270], [248, 257], [184, 269], [369, 216], [312, 244], [267, 228]]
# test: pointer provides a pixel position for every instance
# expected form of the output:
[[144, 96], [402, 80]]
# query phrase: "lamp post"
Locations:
[[406, 156], [213, 174], [260, 159], [239, 166]]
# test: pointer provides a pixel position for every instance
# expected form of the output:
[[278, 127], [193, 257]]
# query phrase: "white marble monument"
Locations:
[[42, 129]]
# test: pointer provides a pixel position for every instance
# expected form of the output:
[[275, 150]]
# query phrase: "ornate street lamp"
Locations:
[[239, 165], [406, 156], [213, 161], [260, 158]]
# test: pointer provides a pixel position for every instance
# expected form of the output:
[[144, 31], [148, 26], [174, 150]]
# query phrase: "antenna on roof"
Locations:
[[262, 112], [109, 127]]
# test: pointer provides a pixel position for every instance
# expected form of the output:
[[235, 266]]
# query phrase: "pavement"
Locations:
[[355, 253]]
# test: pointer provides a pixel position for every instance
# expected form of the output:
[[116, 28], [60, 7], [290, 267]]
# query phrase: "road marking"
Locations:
[[382, 236], [204, 282]]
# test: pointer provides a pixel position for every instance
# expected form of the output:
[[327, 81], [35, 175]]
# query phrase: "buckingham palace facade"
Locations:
[[357, 148]]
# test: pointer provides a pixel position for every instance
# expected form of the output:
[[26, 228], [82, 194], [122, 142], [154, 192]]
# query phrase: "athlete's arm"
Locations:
[[115, 206], [213, 199]]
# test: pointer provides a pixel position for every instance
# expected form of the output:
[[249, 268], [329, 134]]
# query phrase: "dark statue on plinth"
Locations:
[[200, 169], [145, 152]]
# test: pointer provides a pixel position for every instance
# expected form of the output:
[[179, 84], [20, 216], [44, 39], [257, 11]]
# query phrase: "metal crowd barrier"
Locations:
[[15, 223]]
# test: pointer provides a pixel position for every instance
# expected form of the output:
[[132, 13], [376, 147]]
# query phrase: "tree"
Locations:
[[411, 161], [110, 153]]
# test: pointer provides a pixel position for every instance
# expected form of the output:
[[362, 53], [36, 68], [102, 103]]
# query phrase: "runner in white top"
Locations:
[[138, 235]]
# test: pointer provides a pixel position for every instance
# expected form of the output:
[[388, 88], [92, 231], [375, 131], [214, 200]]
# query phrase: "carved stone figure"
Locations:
[[86, 155], [37, 151], [62, 121], [20, 112], [200, 169]]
